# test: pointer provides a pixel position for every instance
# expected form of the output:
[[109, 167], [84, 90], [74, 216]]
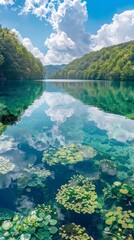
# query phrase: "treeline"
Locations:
[[111, 63], [16, 62]]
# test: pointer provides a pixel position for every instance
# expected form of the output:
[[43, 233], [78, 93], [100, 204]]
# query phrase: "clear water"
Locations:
[[38, 115]]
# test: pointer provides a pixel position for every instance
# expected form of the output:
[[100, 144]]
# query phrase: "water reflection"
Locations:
[[15, 97], [112, 97], [53, 115]]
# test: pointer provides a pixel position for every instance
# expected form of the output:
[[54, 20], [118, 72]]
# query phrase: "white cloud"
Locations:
[[69, 39], [40, 8], [67, 18], [6, 2], [59, 41], [120, 30]]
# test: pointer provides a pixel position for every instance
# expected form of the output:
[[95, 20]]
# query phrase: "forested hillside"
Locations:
[[111, 63], [16, 62], [50, 69]]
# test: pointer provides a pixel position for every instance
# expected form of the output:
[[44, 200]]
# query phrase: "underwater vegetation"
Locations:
[[119, 223], [105, 201], [33, 176], [79, 195], [85, 183], [68, 154], [108, 167], [72, 231], [120, 193], [39, 224]]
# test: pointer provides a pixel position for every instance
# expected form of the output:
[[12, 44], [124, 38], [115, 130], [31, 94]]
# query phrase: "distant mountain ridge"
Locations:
[[51, 69], [111, 63]]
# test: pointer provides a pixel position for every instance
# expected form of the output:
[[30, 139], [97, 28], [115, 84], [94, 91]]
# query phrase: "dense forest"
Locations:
[[111, 63], [16, 62]]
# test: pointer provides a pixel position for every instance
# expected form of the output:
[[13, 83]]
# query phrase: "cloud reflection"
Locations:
[[117, 127]]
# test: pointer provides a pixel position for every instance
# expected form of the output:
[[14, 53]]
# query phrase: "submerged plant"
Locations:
[[33, 176], [68, 154], [5, 165], [78, 195], [120, 223], [72, 231], [108, 167], [39, 224], [120, 192]]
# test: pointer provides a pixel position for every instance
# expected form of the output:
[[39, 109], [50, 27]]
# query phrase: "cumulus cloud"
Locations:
[[120, 30], [40, 8], [6, 2], [67, 18], [69, 40]]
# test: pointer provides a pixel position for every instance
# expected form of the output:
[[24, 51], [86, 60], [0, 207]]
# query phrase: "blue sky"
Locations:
[[36, 24]]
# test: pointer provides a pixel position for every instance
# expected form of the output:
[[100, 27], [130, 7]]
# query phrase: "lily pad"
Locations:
[[6, 225]]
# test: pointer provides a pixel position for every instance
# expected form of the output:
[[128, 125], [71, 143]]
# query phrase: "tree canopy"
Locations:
[[111, 63], [16, 62]]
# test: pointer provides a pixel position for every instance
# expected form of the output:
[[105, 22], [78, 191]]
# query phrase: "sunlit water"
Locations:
[[39, 115]]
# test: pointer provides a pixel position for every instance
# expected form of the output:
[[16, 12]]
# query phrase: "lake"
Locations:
[[51, 132]]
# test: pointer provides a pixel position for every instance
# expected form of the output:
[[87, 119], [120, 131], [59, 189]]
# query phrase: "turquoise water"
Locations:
[[36, 116]]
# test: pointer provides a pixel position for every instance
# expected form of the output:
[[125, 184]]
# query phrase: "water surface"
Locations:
[[35, 116]]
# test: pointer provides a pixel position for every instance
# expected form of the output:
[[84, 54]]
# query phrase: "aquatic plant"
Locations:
[[68, 154], [120, 223], [72, 231], [78, 195], [120, 192], [39, 224], [5, 165], [108, 167], [33, 176], [6, 214]]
